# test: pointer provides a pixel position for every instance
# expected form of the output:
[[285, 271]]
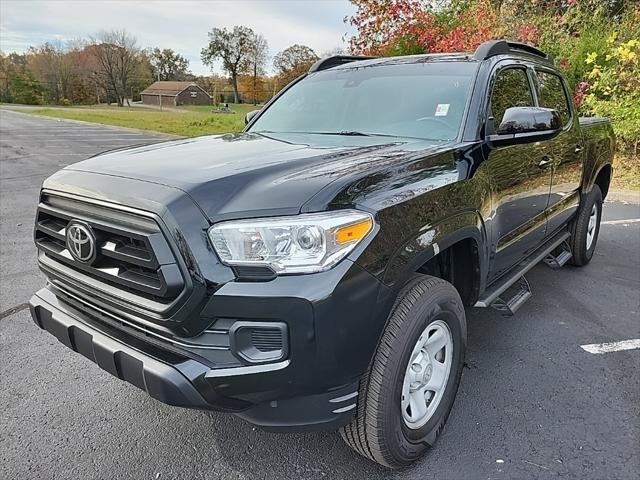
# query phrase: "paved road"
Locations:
[[530, 396]]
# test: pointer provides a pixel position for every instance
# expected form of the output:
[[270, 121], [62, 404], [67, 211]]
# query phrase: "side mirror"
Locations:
[[525, 125], [250, 115]]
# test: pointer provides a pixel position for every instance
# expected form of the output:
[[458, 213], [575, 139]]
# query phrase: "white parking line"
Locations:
[[597, 348], [621, 222]]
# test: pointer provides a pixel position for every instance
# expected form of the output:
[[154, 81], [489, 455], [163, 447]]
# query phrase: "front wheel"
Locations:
[[585, 228], [405, 399]]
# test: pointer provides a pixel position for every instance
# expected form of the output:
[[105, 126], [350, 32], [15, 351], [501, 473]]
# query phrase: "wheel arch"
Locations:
[[446, 249], [603, 179]]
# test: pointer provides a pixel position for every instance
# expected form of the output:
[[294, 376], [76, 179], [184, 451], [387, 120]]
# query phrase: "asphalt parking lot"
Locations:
[[533, 403]]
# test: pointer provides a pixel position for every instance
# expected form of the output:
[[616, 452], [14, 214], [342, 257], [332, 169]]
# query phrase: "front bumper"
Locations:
[[332, 334], [163, 381]]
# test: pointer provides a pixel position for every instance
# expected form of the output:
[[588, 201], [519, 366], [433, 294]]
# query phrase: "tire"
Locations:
[[584, 228], [379, 429]]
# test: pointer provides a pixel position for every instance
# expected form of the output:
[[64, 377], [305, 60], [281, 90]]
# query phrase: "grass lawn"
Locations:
[[241, 108], [185, 121]]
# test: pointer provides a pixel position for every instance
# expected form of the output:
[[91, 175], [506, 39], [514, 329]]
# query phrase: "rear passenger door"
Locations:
[[519, 184], [564, 152]]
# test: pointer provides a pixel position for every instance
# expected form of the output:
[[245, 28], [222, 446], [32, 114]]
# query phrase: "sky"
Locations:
[[178, 24]]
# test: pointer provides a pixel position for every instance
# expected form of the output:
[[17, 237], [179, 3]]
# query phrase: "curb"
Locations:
[[626, 196]]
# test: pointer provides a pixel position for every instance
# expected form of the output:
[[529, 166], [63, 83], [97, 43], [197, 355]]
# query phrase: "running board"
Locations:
[[492, 294], [558, 257], [508, 308]]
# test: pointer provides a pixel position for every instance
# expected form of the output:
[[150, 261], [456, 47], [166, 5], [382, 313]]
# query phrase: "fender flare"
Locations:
[[597, 169], [433, 238]]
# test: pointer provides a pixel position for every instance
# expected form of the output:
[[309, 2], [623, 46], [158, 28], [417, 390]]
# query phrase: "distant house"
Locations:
[[173, 94]]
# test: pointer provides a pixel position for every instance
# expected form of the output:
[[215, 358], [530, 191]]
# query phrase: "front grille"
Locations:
[[132, 254]]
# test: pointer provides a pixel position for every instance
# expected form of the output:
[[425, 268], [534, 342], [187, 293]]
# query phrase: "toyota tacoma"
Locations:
[[313, 271]]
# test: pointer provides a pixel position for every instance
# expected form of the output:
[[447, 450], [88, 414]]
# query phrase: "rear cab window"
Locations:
[[552, 94]]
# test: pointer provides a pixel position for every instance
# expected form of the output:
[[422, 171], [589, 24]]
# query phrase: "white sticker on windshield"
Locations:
[[442, 109]]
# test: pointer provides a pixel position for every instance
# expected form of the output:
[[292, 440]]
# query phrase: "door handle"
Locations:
[[578, 149], [544, 162]]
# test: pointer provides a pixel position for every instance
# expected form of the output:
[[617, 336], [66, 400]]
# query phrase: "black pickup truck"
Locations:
[[312, 272]]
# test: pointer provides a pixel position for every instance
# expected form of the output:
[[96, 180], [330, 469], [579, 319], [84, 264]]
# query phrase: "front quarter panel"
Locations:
[[423, 204]]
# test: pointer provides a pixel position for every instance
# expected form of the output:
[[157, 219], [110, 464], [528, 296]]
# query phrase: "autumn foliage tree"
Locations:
[[293, 62], [399, 27], [56, 70], [257, 61]]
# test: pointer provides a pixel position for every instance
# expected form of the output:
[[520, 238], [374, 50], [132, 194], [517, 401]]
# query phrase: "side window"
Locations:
[[511, 89], [551, 94]]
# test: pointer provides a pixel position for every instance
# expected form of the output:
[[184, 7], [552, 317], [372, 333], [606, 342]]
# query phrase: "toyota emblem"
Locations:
[[81, 243]]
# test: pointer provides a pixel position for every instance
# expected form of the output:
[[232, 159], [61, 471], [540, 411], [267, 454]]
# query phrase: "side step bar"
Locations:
[[561, 255], [508, 308], [491, 297]]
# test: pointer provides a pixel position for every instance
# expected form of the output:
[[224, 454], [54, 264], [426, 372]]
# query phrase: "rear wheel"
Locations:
[[405, 399], [585, 228]]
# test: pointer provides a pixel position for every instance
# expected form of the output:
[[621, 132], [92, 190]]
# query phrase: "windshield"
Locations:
[[420, 100]]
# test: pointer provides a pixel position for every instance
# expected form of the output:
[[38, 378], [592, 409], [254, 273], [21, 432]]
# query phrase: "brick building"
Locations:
[[174, 94]]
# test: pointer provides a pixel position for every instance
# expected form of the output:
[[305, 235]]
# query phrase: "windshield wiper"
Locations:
[[350, 133], [345, 133]]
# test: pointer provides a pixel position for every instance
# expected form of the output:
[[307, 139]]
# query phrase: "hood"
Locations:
[[245, 174]]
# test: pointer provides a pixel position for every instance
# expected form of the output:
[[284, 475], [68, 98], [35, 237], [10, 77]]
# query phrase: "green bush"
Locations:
[[625, 117], [24, 89], [612, 87]]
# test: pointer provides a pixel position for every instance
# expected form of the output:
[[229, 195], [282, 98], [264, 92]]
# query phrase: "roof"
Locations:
[[168, 88]]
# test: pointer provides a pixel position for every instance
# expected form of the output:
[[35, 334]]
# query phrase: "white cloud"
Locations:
[[181, 25]]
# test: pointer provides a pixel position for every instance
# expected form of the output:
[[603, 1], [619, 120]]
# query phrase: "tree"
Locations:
[[11, 66], [54, 68], [24, 88], [381, 24], [169, 65], [258, 55], [254, 88], [233, 48], [145, 74], [293, 62], [87, 87], [117, 54]]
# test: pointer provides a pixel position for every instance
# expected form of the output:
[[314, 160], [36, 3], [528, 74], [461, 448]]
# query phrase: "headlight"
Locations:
[[304, 243]]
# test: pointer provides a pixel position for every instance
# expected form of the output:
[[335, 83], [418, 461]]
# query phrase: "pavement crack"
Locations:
[[12, 310]]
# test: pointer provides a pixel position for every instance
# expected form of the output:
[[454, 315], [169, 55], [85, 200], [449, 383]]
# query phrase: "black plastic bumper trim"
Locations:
[[160, 380]]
